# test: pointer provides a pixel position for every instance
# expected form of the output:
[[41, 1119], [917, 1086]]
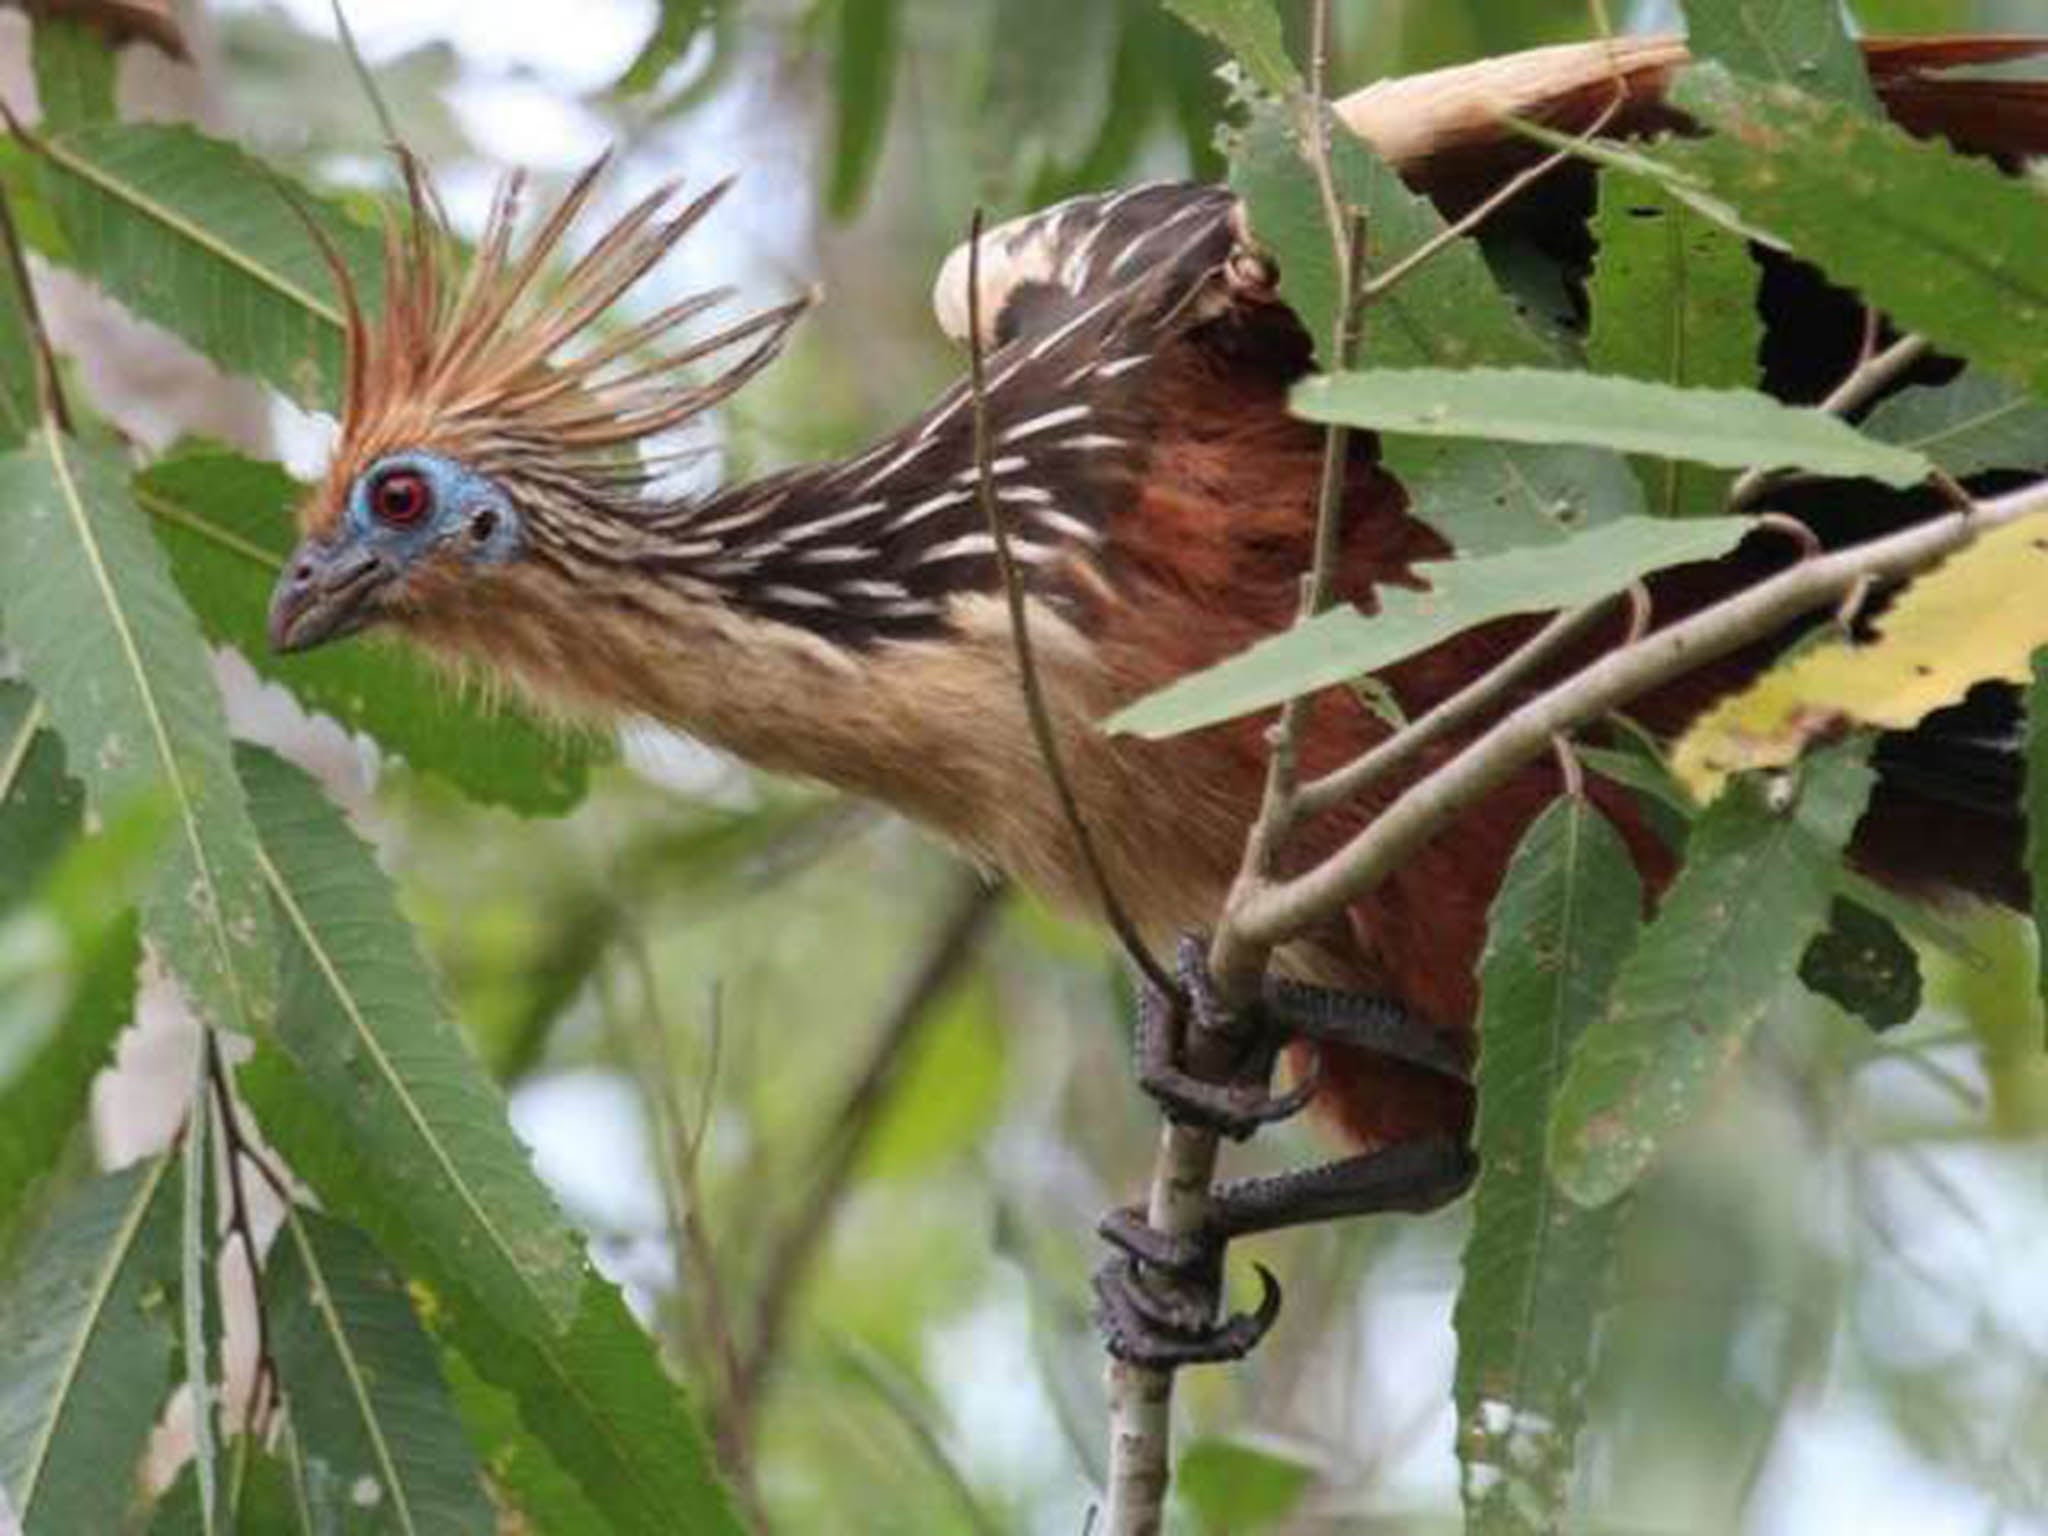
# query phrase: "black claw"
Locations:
[[1196, 1256], [1238, 1108], [1141, 1330]]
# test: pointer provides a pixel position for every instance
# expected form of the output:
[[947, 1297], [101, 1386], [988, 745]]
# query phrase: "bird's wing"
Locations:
[[1040, 272]]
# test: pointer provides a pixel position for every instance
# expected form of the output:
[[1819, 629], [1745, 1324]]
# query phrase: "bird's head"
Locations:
[[490, 441]]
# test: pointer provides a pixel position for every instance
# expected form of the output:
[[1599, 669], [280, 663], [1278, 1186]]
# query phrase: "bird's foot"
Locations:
[[1158, 1298], [1244, 1102], [1163, 1321]]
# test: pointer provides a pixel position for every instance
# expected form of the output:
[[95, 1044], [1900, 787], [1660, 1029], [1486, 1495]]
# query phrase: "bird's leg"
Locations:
[[1157, 1301]]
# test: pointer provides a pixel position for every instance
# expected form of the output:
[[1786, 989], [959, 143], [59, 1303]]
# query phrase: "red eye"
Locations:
[[400, 496]]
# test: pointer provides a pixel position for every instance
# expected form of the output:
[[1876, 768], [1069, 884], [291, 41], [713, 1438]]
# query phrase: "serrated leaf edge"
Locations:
[[121, 191], [308, 935], [174, 774], [102, 1288], [359, 1390]]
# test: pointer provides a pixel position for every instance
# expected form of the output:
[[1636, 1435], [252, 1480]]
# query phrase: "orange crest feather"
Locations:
[[470, 360]]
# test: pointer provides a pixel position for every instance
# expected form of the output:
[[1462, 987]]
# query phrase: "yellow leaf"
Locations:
[[1979, 615]]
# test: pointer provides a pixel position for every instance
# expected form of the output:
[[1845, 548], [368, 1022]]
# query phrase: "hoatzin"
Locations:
[[846, 622]]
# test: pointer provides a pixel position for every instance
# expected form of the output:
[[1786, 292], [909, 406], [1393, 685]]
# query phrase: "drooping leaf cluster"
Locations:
[[425, 1252], [1565, 463]]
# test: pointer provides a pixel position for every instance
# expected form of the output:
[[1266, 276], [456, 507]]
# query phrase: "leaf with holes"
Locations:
[[1969, 425], [1976, 617], [1756, 886], [201, 238], [87, 1324], [362, 1020], [1537, 1267], [1944, 244], [594, 1398], [93, 617], [1674, 299], [227, 523], [1448, 312], [1732, 428], [1800, 43], [1344, 643], [366, 1399]]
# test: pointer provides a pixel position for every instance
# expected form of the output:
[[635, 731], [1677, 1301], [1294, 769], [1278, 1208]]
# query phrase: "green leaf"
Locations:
[[1946, 245], [96, 623], [1800, 43], [40, 806], [86, 1330], [1238, 1487], [595, 1396], [360, 1382], [67, 989], [226, 522], [1344, 643], [196, 235], [362, 1020], [947, 1090], [48, 1060], [19, 407], [1737, 429], [676, 25], [74, 72], [1755, 888], [1449, 312], [1674, 300], [1863, 963], [516, 1462], [1537, 1267], [1969, 425], [1250, 29], [864, 85]]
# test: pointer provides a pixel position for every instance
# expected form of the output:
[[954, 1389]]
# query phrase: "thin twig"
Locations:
[[682, 1139], [1456, 712], [946, 955], [1381, 284], [1871, 377], [1276, 911], [386, 123], [235, 1148], [1035, 707], [1184, 1167]]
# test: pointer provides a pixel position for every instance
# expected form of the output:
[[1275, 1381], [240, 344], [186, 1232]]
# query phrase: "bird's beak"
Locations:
[[326, 592]]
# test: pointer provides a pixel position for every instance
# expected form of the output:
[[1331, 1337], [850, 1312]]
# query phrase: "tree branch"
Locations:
[[1273, 912]]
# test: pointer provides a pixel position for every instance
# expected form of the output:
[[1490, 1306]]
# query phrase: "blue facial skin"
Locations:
[[467, 514]]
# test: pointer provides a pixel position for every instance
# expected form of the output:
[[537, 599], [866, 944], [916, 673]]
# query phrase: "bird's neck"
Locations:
[[843, 623]]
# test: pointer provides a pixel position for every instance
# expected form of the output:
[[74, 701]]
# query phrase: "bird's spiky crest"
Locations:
[[474, 358]]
